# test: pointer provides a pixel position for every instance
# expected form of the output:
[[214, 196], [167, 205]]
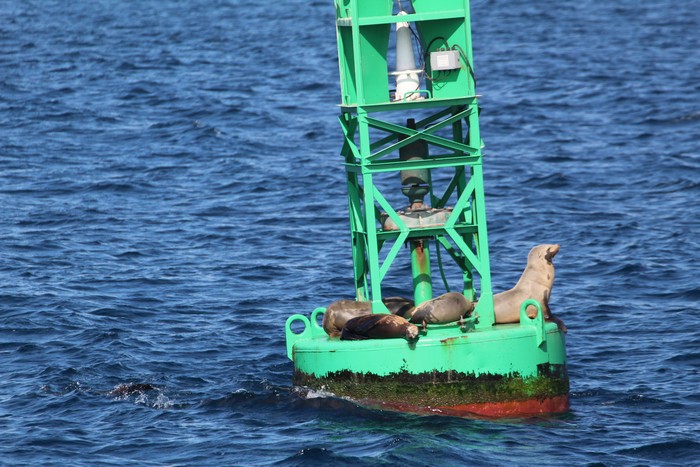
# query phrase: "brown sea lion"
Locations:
[[446, 308], [339, 312], [535, 283], [399, 306], [378, 326]]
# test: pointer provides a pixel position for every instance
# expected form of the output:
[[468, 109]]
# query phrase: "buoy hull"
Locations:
[[503, 371]]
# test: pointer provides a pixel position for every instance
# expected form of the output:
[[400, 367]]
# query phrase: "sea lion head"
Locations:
[[543, 252], [540, 268], [411, 332]]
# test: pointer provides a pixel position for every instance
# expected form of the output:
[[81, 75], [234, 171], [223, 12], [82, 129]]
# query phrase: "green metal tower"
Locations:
[[373, 145]]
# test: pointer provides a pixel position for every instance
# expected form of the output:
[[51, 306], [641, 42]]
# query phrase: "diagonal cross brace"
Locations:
[[398, 242], [456, 237], [349, 128], [426, 135], [419, 124]]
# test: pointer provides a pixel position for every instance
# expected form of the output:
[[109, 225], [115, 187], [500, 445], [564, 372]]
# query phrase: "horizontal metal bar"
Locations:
[[408, 105], [432, 162], [427, 16], [461, 228]]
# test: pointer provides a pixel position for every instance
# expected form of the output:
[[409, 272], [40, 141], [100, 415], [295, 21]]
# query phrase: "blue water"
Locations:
[[171, 191]]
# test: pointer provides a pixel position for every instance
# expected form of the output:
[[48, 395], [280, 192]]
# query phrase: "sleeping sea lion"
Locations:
[[535, 283], [378, 326], [340, 311], [399, 306], [446, 308]]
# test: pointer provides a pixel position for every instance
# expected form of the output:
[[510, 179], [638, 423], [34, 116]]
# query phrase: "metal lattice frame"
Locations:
[[363, 28]]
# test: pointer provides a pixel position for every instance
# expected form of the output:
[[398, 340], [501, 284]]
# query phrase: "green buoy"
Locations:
[[470, 367]]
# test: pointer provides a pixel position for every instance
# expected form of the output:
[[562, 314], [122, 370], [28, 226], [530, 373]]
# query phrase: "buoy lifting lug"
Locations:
[[537, 322]]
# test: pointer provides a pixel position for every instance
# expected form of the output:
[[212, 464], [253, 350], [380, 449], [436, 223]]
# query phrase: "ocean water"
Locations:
[[171, 190]]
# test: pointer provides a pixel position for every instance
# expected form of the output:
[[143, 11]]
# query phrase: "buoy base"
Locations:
[[504, 409], [451, 392]]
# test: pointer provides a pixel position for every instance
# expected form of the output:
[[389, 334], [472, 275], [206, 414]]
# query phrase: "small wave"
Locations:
[[674, 186], [555, 180], [691, 117], [691, 294], [690, 358], [217, 211], [679, 450], [314, 455], [118, 187], [312, 393], [141, 394]]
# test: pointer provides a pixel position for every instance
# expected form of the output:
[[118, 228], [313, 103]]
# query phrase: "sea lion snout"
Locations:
[[411, 332], [552, 251]]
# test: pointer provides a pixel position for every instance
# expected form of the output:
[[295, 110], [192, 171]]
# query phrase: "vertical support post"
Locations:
[[357, 230], [470, 56], [485, 307], [375, 283], [420, 267], [460, 174]]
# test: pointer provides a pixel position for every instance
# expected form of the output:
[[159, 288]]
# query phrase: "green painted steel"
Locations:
[[420, 267], [458, 363], [478, 352], [444, 347]]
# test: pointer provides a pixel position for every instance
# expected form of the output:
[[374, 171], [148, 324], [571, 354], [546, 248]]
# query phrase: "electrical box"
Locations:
[[444, 60]]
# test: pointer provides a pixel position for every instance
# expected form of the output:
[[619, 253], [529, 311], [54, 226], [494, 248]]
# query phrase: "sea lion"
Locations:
[[446, 308], [399, 306], [339, 312], [535, 283], [378, 326]]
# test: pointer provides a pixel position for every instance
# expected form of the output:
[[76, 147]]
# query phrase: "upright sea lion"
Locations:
[[535, 283], [446, 308], [340, 311], [378, 326]]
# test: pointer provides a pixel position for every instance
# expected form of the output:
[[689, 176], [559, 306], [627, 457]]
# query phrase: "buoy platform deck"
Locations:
[[452, 369]]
